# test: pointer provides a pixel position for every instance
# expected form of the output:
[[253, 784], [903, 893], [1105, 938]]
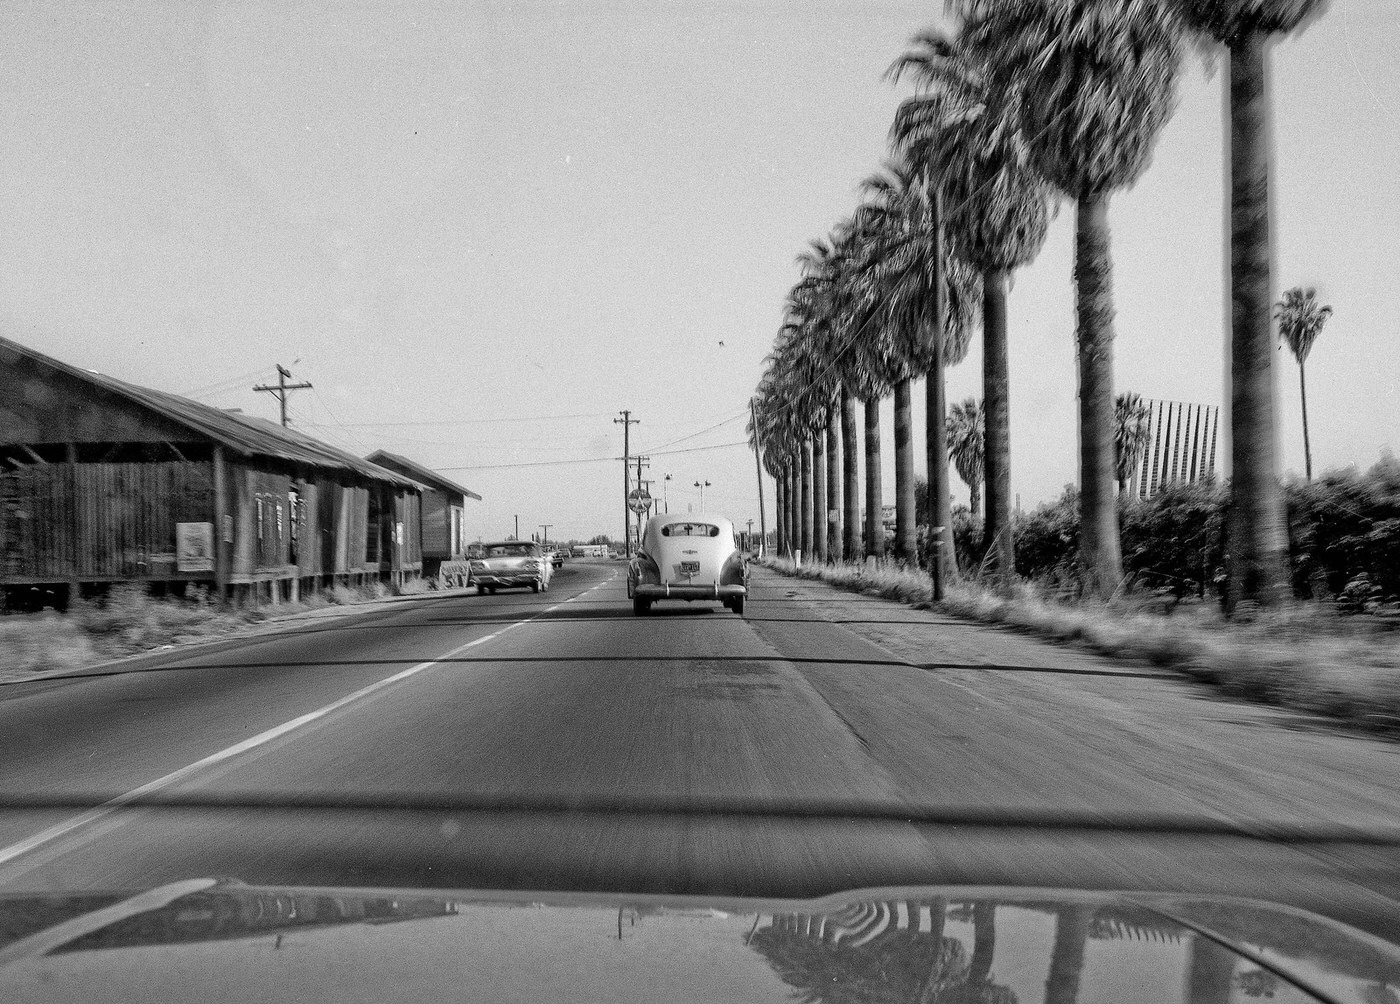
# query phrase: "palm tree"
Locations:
[[997, 217], [1067, 955], [1132, 431], [1255, 529], [830, 291], [1300, 321], [930, 308], [1094, 82], [965, 444]]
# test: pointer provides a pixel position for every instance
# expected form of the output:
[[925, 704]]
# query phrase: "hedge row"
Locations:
[[1343, 529]]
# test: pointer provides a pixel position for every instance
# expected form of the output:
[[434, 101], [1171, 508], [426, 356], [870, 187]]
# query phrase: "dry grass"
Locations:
[[129, 621], [1305, 657]]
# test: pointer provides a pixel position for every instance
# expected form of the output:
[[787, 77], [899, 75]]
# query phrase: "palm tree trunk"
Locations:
[[984, 942], [778, 514], [794, 506], [850, 477], [806, 503], [819, 496], [874, 527], [974, 497], [787, 507], [996, 403], [1067, 955], [1255, 534], [905, 536], [1210, 972], [940, 502], [1307, 444], [1100, 552], [834, 546]]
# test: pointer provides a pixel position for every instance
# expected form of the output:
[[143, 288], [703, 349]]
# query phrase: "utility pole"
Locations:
[[626, 421], [282, 388], [517, 526], [545, 527]]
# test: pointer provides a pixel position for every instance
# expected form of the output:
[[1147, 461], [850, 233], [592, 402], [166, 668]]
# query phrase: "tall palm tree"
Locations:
[[1067, 955], [830, 291], [929, 302], [1094, 82], [1132, 431], [1300, 321], [965, 444], [1256, 541], [966, 133]]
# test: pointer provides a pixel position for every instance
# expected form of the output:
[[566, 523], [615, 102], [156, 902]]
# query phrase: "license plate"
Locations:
[[690, 567]]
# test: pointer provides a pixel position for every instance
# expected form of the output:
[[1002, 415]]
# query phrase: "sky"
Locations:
[[481, 230]]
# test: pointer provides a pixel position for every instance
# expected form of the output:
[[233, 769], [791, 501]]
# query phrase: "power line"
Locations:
[[731, 418], [588, 460], [219, 386], [476, 421]]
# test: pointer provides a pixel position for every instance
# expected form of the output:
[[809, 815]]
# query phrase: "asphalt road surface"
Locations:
[[824, 741]]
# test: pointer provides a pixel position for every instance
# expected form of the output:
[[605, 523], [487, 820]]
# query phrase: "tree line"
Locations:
[[1022, 104]]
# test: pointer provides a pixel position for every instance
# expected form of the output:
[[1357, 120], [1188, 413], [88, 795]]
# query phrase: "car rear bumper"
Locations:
[[687, 591], [489, 579]]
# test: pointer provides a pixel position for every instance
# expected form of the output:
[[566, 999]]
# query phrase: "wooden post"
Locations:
[[223, 550]]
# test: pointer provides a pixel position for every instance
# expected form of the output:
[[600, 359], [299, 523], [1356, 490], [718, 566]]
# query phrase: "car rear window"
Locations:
[[690, 530], [509, 550]]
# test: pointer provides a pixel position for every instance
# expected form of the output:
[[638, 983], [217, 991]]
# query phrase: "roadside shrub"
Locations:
[[1343, 529]]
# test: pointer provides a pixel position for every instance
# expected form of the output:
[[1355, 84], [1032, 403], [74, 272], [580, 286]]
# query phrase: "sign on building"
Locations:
[[194, 547]]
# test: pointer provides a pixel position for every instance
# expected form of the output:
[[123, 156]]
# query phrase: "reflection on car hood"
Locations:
[[219, 940]]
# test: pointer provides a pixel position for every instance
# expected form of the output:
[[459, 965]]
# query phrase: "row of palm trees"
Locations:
[[1024, 103]]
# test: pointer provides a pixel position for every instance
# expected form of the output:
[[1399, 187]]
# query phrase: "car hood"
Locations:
[[212, 939]]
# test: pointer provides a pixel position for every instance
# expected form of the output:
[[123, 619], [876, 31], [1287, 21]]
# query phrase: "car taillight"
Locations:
[[732, 572]]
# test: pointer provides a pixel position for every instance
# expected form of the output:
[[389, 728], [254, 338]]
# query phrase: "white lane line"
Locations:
[[81, 820]]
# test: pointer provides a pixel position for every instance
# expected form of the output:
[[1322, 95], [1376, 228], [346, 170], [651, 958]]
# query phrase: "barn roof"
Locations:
[[419, 473], [252, 437]]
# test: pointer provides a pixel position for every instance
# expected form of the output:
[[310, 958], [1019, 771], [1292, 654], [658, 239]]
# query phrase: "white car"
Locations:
[[511, 563], [688, 558]]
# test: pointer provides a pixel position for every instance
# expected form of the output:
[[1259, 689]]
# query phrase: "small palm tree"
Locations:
[[965, 446], [1300, 321], [1257, 542], [1132, 431]]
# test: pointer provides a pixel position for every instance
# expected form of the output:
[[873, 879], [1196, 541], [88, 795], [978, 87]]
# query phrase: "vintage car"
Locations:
[[511, 563], [685, 557]]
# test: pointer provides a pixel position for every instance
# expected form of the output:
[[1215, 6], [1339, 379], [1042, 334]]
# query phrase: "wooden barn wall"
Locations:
[[408, 516], [437, 539], [99, 521]]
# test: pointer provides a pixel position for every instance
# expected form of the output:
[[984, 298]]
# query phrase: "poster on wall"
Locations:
[[194, 547]]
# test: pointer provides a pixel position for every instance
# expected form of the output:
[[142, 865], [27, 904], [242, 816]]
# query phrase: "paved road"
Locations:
[[956, 753]]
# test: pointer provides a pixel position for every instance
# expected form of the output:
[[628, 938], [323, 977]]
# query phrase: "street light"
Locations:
[[665, 502], [702, 486]]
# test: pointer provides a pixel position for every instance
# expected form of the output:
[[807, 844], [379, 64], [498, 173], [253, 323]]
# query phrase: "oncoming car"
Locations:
[[688, 558], [511, 563]]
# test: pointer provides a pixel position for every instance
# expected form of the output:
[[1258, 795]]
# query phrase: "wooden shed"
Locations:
[[103, 481], [444, 508]]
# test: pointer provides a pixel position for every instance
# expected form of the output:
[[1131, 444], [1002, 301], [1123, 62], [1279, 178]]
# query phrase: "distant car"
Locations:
[[688, 558], [556, 557], [510, 563]]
